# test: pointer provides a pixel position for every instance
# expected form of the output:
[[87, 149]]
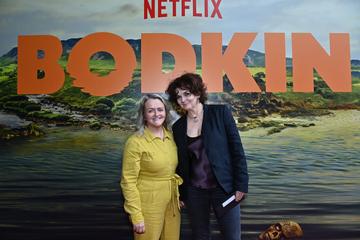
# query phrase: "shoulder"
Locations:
[[134, 140], [217, 108], [179, 123], [169, 133]]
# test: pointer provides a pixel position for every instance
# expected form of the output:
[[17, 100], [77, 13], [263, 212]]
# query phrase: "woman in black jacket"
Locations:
[[211, 158]]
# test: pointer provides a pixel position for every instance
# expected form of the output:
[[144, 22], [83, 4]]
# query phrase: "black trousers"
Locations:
[[199, 203]]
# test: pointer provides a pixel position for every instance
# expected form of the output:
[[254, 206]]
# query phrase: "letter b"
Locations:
[[29, 64]]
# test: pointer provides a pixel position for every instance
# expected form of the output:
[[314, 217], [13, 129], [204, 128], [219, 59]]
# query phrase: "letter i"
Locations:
[[206, 8]]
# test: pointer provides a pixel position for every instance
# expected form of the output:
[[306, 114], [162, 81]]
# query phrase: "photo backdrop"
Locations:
[[61, 152]]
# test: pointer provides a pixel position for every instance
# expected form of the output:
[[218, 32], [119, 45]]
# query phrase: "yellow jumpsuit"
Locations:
[[150, 185]]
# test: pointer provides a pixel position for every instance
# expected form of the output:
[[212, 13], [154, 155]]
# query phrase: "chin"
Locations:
[[185, 107], [158, 125]]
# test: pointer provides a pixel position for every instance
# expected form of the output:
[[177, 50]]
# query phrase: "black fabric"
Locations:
[[223, 147]]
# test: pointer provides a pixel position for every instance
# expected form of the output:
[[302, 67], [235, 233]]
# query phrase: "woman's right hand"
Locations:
[[139, 228], [182, 204]]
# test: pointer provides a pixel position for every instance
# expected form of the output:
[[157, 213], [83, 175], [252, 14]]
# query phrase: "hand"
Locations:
[[139, 228], [182, 204], [239, 195]]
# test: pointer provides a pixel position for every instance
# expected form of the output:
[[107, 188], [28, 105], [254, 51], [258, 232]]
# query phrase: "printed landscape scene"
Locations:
[[61, 154]]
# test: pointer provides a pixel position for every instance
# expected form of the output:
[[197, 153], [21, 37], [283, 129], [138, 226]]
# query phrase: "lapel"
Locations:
[[205, 125], [182, 128]]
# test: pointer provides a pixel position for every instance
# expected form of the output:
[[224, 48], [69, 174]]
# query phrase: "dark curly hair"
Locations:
[[188, 81]]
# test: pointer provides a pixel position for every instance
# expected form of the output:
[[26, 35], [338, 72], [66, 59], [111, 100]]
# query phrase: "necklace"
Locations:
[[195, 122], [196, 117]]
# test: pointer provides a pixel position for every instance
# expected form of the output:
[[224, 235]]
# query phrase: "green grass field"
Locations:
[[74, 96]]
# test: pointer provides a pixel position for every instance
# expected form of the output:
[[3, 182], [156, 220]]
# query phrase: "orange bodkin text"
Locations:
[[308, 54]]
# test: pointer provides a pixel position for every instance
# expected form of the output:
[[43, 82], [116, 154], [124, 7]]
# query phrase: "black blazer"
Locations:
[[222, 145]]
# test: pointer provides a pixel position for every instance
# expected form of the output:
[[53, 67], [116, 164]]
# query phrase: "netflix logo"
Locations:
[[173, 8]]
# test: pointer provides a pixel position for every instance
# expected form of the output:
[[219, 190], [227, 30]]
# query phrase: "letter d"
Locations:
[[152, 47]]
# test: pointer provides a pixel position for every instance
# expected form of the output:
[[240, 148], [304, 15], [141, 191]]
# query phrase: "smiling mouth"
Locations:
[[155, 119], [184, 104]]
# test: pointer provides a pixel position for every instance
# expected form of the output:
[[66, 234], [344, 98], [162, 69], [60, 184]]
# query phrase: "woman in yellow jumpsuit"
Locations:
[[149, 183]]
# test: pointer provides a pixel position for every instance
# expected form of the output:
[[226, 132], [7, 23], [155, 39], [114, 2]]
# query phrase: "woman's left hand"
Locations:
[[239, 195]]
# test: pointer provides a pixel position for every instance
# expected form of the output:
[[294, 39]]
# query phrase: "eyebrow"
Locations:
[[184, 91], [155, 108]]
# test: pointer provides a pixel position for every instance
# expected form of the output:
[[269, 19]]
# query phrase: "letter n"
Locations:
[[149, 9], [334, 68]]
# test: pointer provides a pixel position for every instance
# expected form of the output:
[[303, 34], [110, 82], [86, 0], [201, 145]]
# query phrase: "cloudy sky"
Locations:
[[78, 18]]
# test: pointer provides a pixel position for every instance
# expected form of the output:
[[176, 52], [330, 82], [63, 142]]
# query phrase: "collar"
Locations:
[[149, 136]]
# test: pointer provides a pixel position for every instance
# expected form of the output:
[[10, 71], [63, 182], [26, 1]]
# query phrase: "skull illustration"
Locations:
[[282, 230]]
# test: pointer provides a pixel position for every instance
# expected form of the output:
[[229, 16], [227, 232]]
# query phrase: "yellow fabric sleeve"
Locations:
[[129, 179]]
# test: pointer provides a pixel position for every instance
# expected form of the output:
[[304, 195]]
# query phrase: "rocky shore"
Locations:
[[32, 115], [265, 110], [11, 126]]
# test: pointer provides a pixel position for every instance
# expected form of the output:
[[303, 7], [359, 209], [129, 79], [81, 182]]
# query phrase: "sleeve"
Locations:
[[180, 167], [237, 153], [129, 179]]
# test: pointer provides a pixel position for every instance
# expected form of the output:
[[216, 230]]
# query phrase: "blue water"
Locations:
[[65, 185]]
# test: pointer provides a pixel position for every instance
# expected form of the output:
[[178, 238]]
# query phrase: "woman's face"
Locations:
[[154, 113], [186, 99]]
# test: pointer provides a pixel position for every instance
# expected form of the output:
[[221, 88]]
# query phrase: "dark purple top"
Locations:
[[200, 169]]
